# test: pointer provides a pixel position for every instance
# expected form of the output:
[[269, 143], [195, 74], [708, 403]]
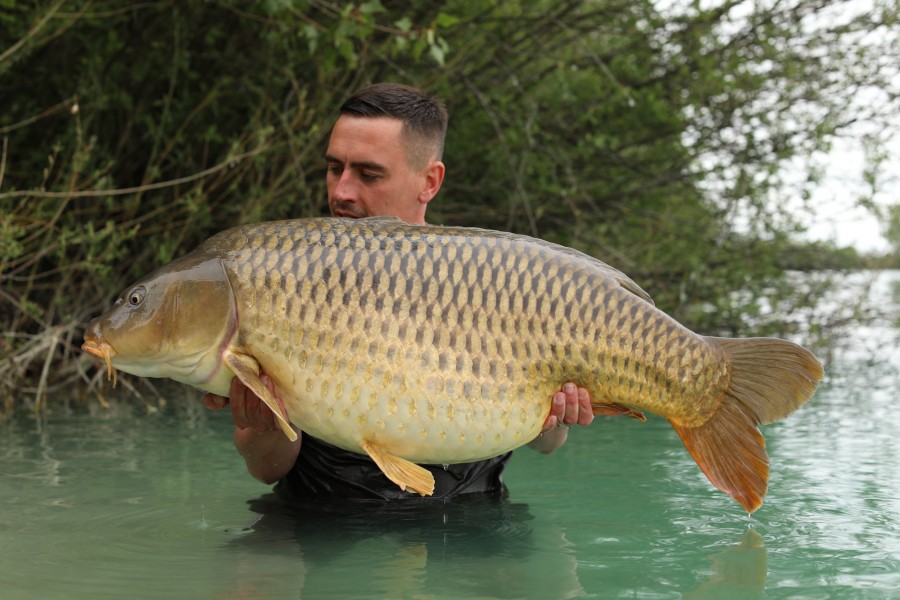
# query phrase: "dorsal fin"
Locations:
[[382, 219]]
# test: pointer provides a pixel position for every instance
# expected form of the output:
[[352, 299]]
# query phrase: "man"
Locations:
[[384, 159]]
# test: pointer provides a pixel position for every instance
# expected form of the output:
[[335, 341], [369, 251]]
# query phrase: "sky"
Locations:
[[836, 214]]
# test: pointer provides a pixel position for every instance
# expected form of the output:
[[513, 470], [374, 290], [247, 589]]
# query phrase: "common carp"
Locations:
[[425, 344]]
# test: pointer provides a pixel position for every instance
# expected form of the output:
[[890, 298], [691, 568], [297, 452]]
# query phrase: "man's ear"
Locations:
[[434, 177]]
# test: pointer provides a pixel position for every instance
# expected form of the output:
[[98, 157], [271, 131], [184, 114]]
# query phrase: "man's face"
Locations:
[[369, 173]]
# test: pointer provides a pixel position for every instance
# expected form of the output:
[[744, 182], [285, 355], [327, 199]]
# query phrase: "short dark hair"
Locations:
[[424, 116]]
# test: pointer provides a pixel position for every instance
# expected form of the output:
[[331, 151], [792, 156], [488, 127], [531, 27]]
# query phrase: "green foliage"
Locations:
[[652, 138], [892, 232]]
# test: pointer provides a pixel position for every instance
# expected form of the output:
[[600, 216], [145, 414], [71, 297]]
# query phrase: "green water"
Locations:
[[122, 503]]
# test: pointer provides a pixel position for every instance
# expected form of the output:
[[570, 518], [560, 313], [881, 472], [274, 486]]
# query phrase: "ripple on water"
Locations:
[[147, 546]]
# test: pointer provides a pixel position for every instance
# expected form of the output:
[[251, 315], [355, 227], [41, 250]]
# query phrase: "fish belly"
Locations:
[[352, 385]]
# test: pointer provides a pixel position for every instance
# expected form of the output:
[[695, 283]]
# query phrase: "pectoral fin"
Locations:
[[246, 369], [614, 409], [406, 474]]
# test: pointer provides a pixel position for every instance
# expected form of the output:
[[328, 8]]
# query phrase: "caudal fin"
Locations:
[[770, 378]]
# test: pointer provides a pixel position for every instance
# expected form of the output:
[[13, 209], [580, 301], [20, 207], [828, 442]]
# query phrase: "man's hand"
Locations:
[[247, 410], [569, 406]]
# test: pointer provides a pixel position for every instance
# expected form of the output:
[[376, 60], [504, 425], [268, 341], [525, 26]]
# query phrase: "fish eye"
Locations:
[[136, 296]]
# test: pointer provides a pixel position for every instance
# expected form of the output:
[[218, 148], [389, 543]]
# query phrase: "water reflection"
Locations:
[[895, 296], [419, 548], [739, 571]]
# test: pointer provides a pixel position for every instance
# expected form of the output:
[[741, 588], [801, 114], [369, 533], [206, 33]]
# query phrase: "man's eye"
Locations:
[[335, 169], [368, 176]]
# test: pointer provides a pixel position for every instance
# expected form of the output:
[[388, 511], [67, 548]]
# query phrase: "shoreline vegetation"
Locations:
[[654, 137]]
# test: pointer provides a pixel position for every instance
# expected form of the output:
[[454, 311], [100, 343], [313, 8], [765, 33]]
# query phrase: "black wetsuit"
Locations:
[[326, 470]]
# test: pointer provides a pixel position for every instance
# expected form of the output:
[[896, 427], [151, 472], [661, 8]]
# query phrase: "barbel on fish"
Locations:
[[425, 344]]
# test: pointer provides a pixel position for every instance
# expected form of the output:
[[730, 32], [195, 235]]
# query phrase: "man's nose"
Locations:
[[344, 188]]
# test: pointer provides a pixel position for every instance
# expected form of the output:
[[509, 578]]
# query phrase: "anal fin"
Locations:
[[246, 369], [408, 475], [614, 409]]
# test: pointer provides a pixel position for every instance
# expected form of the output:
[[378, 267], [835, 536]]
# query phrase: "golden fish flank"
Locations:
[[444, 345]]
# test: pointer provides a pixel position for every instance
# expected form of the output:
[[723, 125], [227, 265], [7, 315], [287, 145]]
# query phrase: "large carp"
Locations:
[[443, 345]]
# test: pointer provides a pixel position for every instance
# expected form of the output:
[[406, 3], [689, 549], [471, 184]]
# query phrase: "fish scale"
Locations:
[[443, 345]]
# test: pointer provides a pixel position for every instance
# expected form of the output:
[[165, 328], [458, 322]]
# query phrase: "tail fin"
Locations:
[[770, 378]]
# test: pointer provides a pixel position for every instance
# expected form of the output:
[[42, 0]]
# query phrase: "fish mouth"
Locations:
[[102, 350]]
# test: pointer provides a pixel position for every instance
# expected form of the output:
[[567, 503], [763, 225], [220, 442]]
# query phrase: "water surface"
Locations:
[[127, 503]]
